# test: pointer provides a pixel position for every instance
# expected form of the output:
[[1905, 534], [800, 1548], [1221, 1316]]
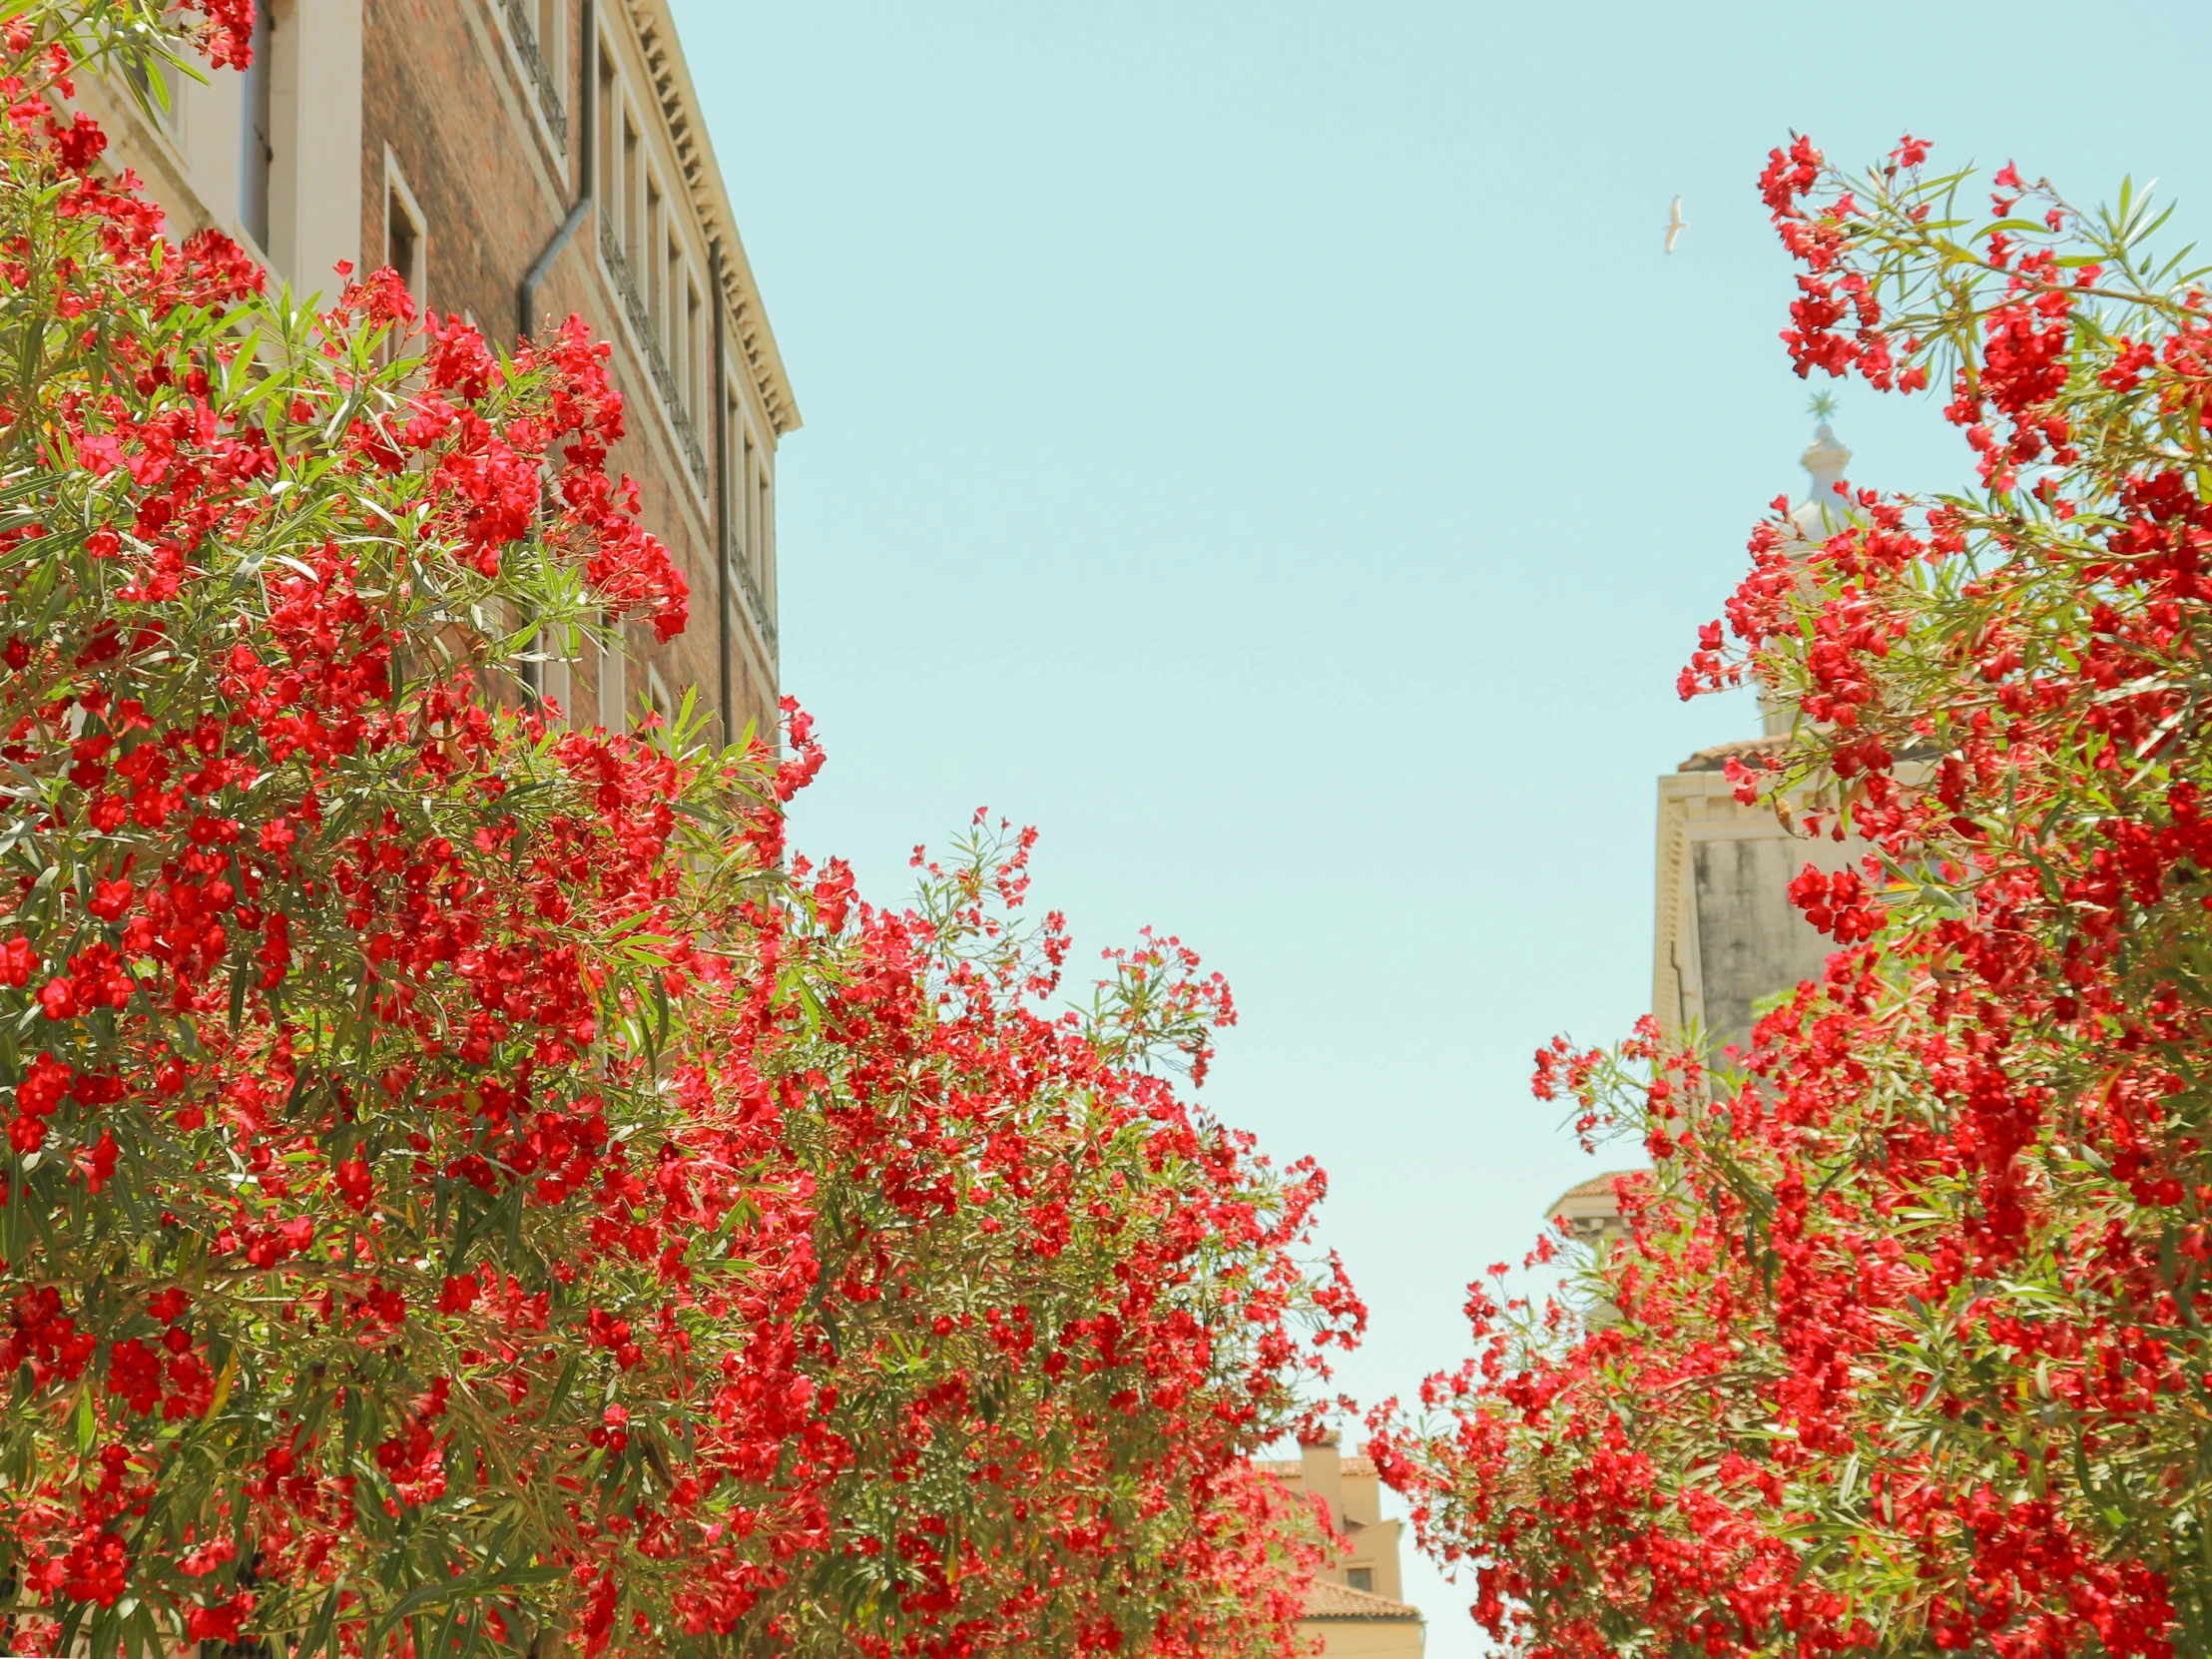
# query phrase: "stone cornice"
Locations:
[[749, 334]]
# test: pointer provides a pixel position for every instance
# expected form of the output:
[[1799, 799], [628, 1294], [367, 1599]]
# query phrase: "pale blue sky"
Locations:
[[1262, 445]]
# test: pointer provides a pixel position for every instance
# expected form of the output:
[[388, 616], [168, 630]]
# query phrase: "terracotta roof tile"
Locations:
[[1599, 1186], [1715, 759], [1338, 1602]]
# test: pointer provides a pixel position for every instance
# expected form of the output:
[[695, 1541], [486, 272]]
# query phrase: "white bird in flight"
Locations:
[[1676, 223]]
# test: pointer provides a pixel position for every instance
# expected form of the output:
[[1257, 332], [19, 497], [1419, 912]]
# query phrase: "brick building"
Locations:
[[516, 161]]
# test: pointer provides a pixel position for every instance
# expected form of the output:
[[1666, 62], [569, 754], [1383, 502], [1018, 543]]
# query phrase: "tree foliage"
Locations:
[[467, 1186], [1911, 1351]]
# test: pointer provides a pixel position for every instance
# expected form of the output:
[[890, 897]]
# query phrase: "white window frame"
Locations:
[[168, 117], [641, 239], [613, 676], [764, 495], [517, 18], [396, 187], [258, 78], [749, 513]]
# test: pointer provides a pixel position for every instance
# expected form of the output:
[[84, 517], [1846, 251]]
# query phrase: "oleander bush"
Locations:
[[467, 1185], [1911, 1348]]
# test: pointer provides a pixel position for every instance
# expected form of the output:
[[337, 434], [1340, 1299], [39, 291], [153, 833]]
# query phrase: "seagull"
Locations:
[[1676, 223]]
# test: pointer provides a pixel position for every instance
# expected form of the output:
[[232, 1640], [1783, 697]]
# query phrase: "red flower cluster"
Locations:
[[1904, 1347], [466, 1183]]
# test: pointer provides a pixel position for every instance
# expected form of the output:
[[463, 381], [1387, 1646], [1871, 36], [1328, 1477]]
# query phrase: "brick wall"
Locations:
[[446, 99]]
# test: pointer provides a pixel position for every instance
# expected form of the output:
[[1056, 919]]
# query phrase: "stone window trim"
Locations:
[[620, 219], [400, 202], [614, 679], [638, 323], [759, 572], [658, 699], [748, 513], [258, 136], [543, 63], [161, 130], [156, 103]]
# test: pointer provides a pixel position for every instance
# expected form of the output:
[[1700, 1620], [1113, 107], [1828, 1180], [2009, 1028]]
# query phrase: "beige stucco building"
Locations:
[[1356, 1606], [517, 161]]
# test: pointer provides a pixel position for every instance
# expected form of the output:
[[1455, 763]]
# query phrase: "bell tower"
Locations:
[[1725, 935]]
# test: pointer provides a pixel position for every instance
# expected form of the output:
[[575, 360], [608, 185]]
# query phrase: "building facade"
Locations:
[[516, 161], [1356, 1606]]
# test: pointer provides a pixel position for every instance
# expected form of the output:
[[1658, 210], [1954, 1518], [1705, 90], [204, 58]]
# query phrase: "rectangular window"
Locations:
[[609, 183], [157, 92], [756, 498], [554, 683], [743, 552], [1361, 1579], [764, 519], [678, 336], [538, 30], [406, 239], [632, 189], [643, 258], [256, 133], [614, 683], [732, 476], [740, 482], [652, 272], [695, 345]]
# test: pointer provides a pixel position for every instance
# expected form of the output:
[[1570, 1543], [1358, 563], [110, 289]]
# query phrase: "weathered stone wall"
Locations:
[[1727, 936]]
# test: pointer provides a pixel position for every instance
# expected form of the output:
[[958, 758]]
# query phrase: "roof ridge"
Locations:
[[660, 45]]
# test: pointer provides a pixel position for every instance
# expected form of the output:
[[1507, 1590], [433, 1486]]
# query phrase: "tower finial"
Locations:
[[1823, 407], [1825, 458]]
